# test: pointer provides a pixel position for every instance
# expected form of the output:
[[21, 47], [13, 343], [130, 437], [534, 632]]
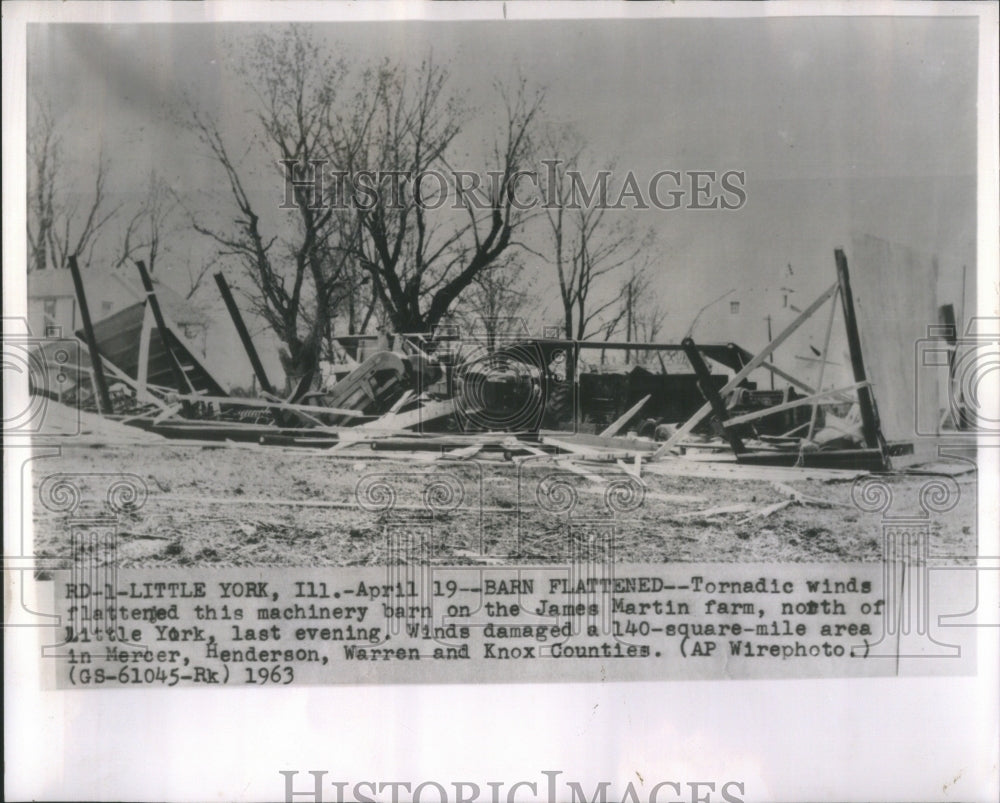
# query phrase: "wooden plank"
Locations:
[[683, 467], [183, 382], [142, 370], [847, 459], [721, 510], [764, 512], [624, 419], [429, 411], [314, 503], [780, 408], [822, 368], [866, 401], [694, 420], [709, 392], [573, 448], [464, 453], [88, 328], [791, 380], [236, 401], [407, 395], [244, 333], [948, 469], [596, 478], [586, 439], [895, 299]]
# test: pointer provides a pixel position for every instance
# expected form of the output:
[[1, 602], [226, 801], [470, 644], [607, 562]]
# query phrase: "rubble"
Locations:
[[444, 398]]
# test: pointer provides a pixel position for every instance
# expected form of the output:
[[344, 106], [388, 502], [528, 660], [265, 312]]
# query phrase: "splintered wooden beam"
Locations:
[[780, 408], [755, 363], [429, 411], [236, 401], [624, 419], [791, 380], [822, 367]]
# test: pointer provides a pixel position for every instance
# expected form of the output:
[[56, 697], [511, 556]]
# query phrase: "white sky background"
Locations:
[[840, 124]]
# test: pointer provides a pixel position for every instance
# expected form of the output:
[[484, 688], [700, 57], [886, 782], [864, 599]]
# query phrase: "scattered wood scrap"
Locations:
[[764, 512], [629, 414], [950, 468], [712, 512]]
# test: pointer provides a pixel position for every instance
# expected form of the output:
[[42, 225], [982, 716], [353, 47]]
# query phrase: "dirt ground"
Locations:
[[264, 506]]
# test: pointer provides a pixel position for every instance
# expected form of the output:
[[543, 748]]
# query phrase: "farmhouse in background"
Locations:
[[52, 303]]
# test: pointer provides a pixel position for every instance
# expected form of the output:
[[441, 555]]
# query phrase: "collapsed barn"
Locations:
[[524, 396]]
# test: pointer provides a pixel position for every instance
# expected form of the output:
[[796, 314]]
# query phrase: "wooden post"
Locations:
[[241, 330], [866, 400], [142, 371], [711, 394], [88, 330], [822, 373], [183, 383]]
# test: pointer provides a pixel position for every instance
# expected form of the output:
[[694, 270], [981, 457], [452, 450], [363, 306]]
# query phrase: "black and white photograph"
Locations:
[[310, 254], [566, 349]]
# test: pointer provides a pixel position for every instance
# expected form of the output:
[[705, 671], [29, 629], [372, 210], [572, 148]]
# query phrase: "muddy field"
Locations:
[[230, 506]]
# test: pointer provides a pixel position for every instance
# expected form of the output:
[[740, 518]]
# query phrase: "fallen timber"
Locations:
[[423, 394]]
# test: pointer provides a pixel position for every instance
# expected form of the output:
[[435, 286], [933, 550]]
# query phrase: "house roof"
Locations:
[[58, 283], [176, 307], [50, 283]]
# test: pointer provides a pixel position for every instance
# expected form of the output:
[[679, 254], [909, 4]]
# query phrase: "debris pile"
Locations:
[[441, 397]]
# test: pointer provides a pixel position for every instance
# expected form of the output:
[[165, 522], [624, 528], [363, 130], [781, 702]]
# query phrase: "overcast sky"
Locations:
[[840, 124]]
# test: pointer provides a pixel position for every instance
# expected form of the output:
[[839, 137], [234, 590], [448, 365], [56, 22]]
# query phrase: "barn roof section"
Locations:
[[119, 339]]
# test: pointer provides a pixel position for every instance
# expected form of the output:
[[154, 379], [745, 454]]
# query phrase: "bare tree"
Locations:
[[60, 222], [650, 318], [147, 233], [421, 248], [497, 300], [588, 240], [144, 231], [296, 264], [640, 313]]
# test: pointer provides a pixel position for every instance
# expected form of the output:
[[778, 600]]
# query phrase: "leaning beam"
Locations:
[[711, 394], [755, 363], [780, 408], [88, 330], [154, 305], [866, 400], [243, 332]]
